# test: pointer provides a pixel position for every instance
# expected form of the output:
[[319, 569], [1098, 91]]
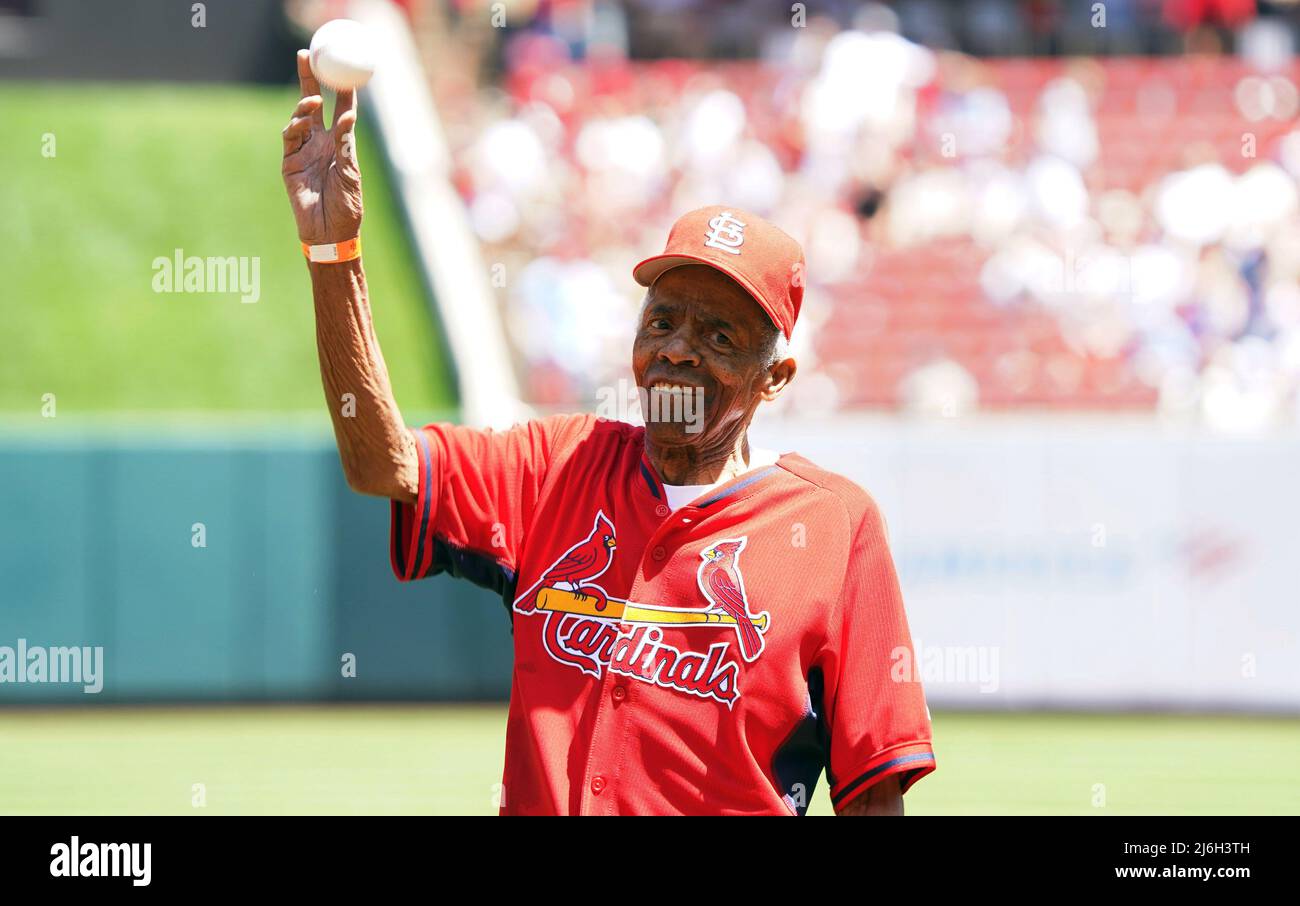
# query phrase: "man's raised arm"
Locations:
[[323, 179]]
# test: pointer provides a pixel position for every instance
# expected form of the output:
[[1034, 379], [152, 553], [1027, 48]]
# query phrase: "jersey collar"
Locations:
[[737, 484], [651, 478], [724, 492]]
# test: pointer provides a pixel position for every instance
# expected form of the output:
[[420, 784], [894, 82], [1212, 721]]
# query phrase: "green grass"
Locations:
[[446, 760], [138, 172]]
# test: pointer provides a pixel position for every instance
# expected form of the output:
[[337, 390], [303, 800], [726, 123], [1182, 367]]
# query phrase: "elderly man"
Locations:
[[699, 627]]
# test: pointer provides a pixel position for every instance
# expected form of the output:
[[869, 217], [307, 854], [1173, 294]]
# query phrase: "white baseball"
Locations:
[[342, 54]]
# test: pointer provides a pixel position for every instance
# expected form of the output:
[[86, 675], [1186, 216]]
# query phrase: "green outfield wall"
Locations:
[[220, 570]]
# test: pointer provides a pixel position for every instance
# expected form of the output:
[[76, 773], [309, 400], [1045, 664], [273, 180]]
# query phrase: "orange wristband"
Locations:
[[333, 252]]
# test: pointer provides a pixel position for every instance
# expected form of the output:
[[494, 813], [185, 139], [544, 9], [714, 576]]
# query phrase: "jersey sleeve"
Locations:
[[478, 490], [875, 707]]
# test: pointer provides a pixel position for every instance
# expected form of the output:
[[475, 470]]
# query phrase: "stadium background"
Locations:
[[1053, 324]]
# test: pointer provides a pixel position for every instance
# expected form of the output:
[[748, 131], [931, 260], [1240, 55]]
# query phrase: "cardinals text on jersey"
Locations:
[[587, 629]]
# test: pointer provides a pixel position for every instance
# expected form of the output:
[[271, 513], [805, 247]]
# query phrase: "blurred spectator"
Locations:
[[928, 23], [1208, 25], [995, 28]]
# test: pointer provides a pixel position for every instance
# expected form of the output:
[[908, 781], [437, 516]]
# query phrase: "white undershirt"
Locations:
[[681, 494]]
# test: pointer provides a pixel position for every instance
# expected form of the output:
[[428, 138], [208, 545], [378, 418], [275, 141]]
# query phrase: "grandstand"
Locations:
[[1001, 233]]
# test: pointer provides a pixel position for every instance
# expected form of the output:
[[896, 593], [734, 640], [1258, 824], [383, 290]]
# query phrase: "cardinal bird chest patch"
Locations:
[[691, 634]]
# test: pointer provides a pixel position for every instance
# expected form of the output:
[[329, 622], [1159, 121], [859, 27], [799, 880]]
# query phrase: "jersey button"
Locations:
[[619, 693], [597, 785], [661, 511], [659, 553]]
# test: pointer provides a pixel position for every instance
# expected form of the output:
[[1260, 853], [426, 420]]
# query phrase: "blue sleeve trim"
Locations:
[[879, 769]]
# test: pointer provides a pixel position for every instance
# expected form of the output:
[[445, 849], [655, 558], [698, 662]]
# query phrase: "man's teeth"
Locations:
[[671, 388]]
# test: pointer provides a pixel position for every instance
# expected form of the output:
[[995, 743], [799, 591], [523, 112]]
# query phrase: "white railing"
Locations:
[[399, 99]]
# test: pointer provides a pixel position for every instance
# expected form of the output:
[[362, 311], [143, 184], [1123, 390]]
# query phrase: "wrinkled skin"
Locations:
[[700, 329]]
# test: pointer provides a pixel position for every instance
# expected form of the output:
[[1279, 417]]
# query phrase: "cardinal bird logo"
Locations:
[[720, 581], [673, 645], [580, 564]]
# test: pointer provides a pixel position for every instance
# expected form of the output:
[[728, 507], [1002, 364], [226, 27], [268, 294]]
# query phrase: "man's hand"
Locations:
[[320, 165], [883, 798]]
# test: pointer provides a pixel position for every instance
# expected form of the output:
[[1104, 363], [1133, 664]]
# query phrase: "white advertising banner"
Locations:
[[1084, 562]]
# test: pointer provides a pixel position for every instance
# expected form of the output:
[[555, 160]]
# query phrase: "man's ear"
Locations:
[[780, 375]]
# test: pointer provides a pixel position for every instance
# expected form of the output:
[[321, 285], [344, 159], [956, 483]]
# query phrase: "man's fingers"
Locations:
[[308, 84], [345, 142], [308, 105], [306, 116], [297, 132], [306, 78], [343, 128], [299, 125], [345, 120], [344, 102]]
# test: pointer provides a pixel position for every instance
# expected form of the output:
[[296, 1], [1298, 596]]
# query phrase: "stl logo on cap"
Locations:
[[771, 268], [726, 233]]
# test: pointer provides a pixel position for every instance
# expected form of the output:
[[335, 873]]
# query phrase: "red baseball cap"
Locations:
[[756, 254]]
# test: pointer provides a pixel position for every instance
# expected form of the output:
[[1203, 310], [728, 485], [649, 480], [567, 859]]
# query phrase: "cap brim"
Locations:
[[649, 270]]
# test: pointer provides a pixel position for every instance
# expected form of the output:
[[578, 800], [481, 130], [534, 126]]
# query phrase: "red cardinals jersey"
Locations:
[[709, 660]]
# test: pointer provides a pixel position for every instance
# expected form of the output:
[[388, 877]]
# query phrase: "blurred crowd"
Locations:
[[725, 29], [1072, 233]]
